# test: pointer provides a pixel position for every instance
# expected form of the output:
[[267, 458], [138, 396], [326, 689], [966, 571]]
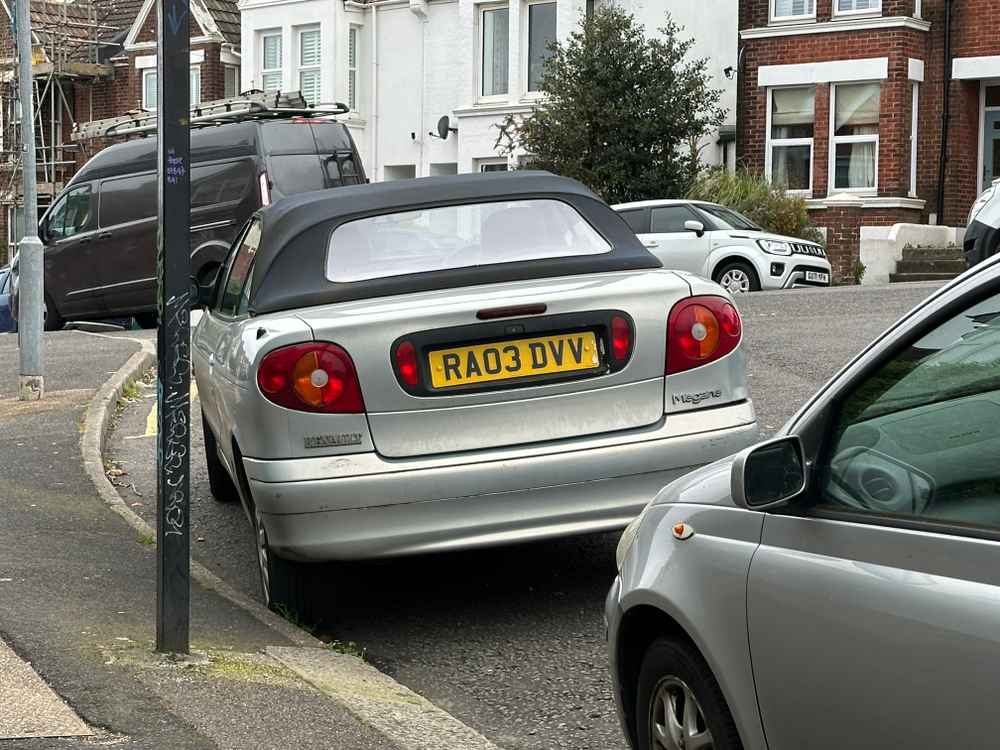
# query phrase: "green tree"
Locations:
[[621, 111]]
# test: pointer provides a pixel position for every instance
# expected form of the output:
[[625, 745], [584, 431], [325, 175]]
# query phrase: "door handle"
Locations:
[[104, 235], [650, 243], [86, 240]]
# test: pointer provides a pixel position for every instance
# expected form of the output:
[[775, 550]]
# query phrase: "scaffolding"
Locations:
[[68, 39]]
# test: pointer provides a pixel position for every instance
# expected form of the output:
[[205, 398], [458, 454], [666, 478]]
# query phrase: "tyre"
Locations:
[[738, 277], [289, 588], [53, 321], [219, 481], [679, 705]]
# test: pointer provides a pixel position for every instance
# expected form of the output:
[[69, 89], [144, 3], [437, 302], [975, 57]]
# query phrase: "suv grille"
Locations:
[[801, 248]]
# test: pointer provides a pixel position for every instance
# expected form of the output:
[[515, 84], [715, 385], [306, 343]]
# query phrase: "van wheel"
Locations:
[[738, 277], [680, 705], [51, 319], [288, 587], [219, 481]]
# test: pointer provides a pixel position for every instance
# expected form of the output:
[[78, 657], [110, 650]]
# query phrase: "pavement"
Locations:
[[510, 640], [77, 586]]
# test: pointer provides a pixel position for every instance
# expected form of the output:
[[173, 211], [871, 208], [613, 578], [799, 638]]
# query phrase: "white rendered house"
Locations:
[[402, 65]]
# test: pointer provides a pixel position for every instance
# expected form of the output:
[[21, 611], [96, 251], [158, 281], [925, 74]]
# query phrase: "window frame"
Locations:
[[774, 18], [220, 292], [280, 70], [147, 74], [482, 164], [235, 71], [836, 140], [353, 55], [194, 97], [481, 11], [316, 67], [837, 13], [526, 43], [770, 142], [826, 408]]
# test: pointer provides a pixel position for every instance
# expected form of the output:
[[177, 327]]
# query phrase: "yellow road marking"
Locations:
[[151, 419]]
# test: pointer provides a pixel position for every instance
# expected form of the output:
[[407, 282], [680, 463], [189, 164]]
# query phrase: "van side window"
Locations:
[[126, 199], [239, 272], [220, 183], [73, 214]]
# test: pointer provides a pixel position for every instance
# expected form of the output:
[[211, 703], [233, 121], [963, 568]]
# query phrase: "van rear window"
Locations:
[[295, 173], [460, 236]]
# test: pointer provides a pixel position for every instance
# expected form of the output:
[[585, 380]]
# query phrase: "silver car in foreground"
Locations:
[[455, 362], [838, 586]]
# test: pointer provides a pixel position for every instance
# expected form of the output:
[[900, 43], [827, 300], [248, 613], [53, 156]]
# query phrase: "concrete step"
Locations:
[[925, 265], [932, 253], [898, 278]]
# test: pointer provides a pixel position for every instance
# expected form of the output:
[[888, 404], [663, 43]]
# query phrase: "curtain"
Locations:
[[793, 112], [857, 108]]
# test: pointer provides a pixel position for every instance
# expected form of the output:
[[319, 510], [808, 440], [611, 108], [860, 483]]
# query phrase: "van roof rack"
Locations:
[[252, 105]]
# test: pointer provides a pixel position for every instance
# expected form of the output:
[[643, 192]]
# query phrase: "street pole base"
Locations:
[[31, 387]]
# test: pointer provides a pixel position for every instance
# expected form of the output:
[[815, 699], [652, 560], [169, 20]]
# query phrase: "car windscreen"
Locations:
[[728, 218], [459, 236]]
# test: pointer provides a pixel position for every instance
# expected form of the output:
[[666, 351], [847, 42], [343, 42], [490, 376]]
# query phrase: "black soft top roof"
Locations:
[[290, 264]]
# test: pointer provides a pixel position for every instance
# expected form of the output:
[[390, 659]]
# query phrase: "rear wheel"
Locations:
[[289, 588], [219, 480], [738, 277], [679, 703]]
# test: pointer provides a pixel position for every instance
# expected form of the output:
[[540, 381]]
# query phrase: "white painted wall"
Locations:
[[882, 247], [418, 61]]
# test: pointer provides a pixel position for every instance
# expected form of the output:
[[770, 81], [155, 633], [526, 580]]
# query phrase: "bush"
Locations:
[[752, 195]]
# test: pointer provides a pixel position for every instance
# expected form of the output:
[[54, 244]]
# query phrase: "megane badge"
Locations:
[[682, 531]]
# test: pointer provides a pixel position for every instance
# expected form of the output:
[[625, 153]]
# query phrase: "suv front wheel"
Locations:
[[679, 704], [738, 277]]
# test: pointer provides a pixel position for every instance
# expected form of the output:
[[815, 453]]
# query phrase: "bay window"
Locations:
[[310, 57], [792, 119], [786, 10], [495, 46], [270, 67], [854, 144], [541, 33]]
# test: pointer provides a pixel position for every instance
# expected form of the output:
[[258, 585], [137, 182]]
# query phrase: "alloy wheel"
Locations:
[[676, 718], [735, 281], [262, 557]]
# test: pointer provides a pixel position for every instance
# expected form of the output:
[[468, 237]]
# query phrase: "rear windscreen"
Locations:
[[461, 236]]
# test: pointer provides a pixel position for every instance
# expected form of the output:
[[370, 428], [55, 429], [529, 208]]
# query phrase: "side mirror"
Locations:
[[202, 292], [695, 226], [770, 475]]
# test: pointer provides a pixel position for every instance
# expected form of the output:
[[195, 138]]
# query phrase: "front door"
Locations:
[[678, 248], [874, 607], [74, 279]]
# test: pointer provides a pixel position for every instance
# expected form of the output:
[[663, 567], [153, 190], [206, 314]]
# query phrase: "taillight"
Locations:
[[265, 190], [701, 330], [621, 338], [315, 377], [406, 363]]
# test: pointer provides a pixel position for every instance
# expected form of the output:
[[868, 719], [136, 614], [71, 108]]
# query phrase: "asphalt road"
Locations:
[[510, 640]]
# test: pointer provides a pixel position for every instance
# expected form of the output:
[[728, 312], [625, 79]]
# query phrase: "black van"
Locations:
[[100, 234]]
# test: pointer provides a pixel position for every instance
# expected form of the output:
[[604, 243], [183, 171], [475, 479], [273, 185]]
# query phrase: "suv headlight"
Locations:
[[980, 203], [775, 247]]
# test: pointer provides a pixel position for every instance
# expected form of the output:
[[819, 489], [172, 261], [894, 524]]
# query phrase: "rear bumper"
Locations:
[[365, 506]]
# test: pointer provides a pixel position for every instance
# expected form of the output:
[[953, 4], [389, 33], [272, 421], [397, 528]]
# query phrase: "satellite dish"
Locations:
[[444, 127]]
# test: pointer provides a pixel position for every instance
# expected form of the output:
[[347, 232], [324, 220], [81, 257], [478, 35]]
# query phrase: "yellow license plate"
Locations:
[[509, 360]]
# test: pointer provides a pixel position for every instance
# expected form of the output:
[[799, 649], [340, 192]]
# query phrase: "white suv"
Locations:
[[720, 244]]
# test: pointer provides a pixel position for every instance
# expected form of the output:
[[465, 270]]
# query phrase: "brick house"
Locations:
[[94, 59], [846, 98]]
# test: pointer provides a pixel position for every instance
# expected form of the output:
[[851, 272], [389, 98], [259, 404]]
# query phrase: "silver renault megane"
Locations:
[[454, 362]]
